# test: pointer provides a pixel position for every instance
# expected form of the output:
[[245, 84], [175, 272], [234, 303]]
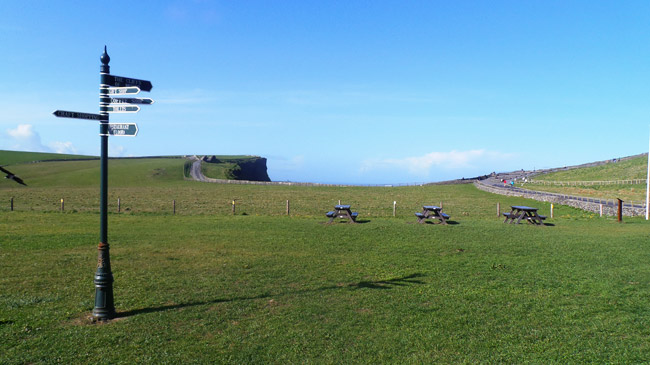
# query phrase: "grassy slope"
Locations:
[[218, 170], [224, 169], [629, 169], [17, 157]]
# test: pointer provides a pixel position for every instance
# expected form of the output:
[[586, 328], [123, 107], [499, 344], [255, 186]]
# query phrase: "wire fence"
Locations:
[[588, 183], [235, 200]]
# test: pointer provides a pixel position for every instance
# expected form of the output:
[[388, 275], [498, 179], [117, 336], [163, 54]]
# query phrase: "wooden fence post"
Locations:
[[12, 203], [118, 205], [233, 207], [174, 204], [601, 210], [288, 208], [498, 209], [394, 207], [62, 205]]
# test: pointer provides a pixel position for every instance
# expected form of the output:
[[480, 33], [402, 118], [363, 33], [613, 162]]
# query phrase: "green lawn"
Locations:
[[267, 288], [258, 286]]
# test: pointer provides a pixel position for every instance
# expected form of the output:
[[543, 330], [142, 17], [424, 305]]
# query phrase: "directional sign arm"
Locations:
[[141, 101], [119, 90], [120, 81], [123, 129], [120, 108], [76, 115]]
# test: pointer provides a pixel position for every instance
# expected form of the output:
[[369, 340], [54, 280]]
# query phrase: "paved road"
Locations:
[[195, 172], [496, 184]]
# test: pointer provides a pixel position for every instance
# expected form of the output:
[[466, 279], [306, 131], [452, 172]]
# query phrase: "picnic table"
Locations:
[[522, 212], [342, 211], [432, 212]]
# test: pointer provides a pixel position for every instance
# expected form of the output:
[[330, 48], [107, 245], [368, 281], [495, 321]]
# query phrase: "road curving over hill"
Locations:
[[495, 185]]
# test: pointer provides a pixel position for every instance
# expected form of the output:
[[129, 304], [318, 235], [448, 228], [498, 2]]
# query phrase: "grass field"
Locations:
[[258, 289], [207, 286]]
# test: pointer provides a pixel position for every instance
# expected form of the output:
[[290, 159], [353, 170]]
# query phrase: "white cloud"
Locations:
[[422, 165], [23, 131], [25, 138], [63, 147]]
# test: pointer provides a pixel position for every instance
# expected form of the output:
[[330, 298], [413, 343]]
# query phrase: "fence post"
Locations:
[[552, 210], [233, 207], [394, 207], [174, 204], [118, 205], [62, 205], [12, 203], [601, 210], [620, 210], [498, 209], [288, 208]]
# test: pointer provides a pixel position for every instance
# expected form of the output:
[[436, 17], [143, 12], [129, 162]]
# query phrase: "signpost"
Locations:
[[109, 85], [76, 115], [123, 129]]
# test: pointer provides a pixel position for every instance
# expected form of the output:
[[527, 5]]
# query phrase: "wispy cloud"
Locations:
[[25, 138], [293, 163], [422, 166]]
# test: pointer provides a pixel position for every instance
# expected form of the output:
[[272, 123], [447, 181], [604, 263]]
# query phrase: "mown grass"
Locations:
[[264, 289], [259, 286]]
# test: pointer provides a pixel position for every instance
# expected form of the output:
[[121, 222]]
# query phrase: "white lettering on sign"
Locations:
[[123, 129]]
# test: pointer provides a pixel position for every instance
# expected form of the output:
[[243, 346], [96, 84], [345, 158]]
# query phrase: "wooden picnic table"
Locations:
[[342, 211], [432, 212], [519, 212]]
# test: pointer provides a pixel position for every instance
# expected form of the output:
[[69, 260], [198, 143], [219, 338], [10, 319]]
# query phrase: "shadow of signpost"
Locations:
[[369, 284]]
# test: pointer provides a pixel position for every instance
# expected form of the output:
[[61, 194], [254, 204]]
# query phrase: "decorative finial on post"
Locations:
[[105, 58]]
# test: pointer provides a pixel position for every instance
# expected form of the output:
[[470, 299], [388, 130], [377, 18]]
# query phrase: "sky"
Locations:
[[357, 92]]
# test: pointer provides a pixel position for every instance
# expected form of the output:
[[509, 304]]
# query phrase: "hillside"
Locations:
[[631, 168], [252, 168], [17, 157], [622, 178], [57, 170]]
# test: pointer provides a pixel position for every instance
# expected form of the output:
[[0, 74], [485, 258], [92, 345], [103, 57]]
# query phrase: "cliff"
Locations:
[[252, 168]]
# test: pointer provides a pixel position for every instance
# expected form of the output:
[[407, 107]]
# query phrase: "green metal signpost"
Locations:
[[109, 85]]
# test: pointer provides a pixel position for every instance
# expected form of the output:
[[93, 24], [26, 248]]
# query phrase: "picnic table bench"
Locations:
[[342, 211], [432, 212], [523, 212]]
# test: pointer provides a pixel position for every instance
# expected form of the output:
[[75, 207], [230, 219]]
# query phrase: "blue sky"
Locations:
[[363, 92]]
